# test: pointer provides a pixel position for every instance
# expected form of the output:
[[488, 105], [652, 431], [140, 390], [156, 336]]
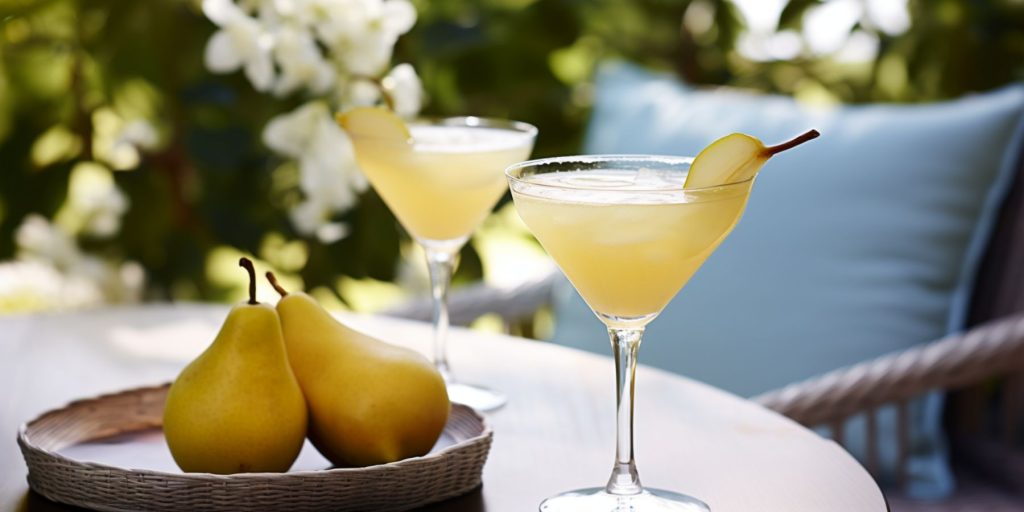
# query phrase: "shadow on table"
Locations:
[[33, 502], [471, 502]]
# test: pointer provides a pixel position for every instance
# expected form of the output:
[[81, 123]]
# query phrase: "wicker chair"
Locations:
[[982, 369]]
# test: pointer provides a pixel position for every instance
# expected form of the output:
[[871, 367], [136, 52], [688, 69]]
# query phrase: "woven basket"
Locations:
[[400, 485]]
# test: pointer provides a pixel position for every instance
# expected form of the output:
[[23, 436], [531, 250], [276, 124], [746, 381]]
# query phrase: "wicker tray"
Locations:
[[57, 445]]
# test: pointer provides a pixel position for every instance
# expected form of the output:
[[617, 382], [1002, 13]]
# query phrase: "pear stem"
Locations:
[[790, 144], [246, 263], [277, 286]]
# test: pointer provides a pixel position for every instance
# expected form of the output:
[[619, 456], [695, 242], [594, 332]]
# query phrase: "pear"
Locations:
[[734, 158], [374, 123], [370, 402], [238, 407]]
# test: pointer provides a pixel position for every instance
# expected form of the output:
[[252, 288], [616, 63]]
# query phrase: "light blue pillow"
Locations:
[[858, 244]]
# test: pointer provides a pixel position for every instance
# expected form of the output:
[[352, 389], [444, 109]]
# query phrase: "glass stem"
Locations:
[[441, 264], [625, 343]]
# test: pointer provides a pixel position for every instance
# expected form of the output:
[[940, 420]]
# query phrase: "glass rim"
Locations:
[[614, 157], [520, 127]]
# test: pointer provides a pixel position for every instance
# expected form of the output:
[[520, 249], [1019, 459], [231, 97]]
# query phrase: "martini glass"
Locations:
[[440, 186], [628, 237]]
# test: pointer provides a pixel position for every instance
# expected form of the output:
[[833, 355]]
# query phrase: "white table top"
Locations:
[[556, 433]]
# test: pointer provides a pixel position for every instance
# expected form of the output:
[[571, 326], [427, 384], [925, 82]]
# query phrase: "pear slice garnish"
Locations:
[[736, 157], [374, 123]]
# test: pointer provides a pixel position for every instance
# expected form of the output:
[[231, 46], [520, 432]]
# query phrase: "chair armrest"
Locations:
[[982, 352], [471, 302]]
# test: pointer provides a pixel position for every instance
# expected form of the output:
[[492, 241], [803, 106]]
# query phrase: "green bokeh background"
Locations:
[[212, 184]]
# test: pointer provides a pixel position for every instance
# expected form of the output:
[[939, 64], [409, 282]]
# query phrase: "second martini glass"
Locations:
[[628, 236], [440, 186]]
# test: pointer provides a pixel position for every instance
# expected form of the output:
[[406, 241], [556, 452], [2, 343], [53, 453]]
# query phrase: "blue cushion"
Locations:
[[858, 244]]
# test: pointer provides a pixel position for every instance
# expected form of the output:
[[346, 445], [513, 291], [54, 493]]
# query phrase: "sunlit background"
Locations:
[[132, 171]]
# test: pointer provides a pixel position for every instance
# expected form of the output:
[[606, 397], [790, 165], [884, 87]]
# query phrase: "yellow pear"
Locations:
[[735, 157], [370, 402], [238, 407], [374, 122]]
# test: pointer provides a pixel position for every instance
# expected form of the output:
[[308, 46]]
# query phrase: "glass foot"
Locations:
[[476, 397], [599, 500]]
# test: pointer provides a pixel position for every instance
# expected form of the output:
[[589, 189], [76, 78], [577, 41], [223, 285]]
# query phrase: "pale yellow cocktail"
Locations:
[[627, 241], [629, 231], [440, 178], [443, 184], [628, 235]]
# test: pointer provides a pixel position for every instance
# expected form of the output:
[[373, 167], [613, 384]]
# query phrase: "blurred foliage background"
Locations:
[[123, 83]]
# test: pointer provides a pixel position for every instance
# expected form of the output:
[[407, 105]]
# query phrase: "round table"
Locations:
[[555, 434]]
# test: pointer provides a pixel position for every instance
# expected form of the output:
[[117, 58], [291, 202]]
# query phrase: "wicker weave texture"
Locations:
[[402, 485], [987, 350]]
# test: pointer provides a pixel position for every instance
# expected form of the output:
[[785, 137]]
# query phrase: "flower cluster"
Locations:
[[68, 277], [51, 270], [337, 52]]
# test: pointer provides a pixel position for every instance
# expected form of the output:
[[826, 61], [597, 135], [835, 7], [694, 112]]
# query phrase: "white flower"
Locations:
[[242, 41], [312, 217], [328, 174], [122, 282], [114, 282], [35, 286], [302, 12], [362, 33], [333, 49], [290, 133], [94, 204], [399, 15], [405, 89], [39, 240], [356, 92], [117, 141], [139, 133], [309, 215], [332, 232], [52, 272], [301, 63]]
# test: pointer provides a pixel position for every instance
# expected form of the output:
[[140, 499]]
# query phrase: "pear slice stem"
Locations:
[[277, 286], [246, 263], [790, 144]]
